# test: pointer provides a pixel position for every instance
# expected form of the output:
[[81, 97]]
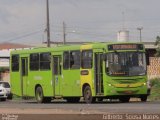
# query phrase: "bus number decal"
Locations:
[[84, 72]]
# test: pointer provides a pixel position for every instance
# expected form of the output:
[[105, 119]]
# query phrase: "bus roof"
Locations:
[[68, 47]]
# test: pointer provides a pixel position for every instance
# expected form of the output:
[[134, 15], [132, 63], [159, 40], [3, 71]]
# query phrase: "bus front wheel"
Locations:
[[87, 95]]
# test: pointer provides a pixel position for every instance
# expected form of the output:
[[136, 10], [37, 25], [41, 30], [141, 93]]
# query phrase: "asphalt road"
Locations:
[[30, 106]]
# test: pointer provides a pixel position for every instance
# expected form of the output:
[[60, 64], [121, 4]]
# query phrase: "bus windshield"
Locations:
[[126, 64]]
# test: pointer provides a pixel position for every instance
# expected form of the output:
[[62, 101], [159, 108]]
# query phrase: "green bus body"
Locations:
[[74, 71]]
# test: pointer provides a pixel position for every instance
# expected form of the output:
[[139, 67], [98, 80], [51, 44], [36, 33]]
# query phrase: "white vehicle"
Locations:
[[5, 91]]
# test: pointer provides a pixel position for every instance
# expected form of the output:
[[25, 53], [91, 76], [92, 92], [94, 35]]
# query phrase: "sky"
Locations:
[[24, 21]]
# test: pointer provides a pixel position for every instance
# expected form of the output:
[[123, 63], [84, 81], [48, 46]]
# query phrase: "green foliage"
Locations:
[[155, 90], [157, 43]]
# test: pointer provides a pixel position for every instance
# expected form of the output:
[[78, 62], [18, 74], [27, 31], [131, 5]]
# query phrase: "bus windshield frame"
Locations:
[[126, 64]]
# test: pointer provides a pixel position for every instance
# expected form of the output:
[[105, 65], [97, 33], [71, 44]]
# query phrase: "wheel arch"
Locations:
[[36, 86]]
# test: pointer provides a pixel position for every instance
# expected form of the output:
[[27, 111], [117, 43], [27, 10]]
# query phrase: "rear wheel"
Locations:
[[40, 97], [87, 95]]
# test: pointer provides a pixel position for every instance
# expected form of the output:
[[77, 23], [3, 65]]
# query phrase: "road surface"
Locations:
[[30, 106], [110, 110]]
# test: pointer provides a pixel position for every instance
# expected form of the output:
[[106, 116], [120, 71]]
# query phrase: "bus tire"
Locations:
[[124, 99], [87, 93], [143, 98], [39, 95]]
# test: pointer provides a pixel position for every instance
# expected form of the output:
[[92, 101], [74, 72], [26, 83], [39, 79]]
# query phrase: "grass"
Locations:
[[155, 90]]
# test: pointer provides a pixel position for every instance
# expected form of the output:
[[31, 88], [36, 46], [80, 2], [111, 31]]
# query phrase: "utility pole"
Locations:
[[64, 33], [48, 25], [140, 33]]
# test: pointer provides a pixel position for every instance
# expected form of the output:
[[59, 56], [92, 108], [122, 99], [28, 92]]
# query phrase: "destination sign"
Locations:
[[125, 47]]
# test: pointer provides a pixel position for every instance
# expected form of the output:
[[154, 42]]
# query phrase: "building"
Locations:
[[153, 68], [5, 49]]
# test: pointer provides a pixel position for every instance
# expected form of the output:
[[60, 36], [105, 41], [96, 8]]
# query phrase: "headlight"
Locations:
[[3, 90], [110, 85], [144, 84]]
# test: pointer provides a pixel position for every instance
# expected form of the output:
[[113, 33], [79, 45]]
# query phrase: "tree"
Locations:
[[157, 43]]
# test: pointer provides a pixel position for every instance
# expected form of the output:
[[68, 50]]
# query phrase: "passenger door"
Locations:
[[57, 75], [24, 75], [99, 73]]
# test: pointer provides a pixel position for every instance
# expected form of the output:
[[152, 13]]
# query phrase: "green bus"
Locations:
[[94, 71]]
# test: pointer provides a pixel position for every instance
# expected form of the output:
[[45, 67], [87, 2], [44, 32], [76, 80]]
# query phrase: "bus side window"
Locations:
[[75, 59], [45, 60], [66, 60], [87, 58], [34, 61], [15, 63]]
